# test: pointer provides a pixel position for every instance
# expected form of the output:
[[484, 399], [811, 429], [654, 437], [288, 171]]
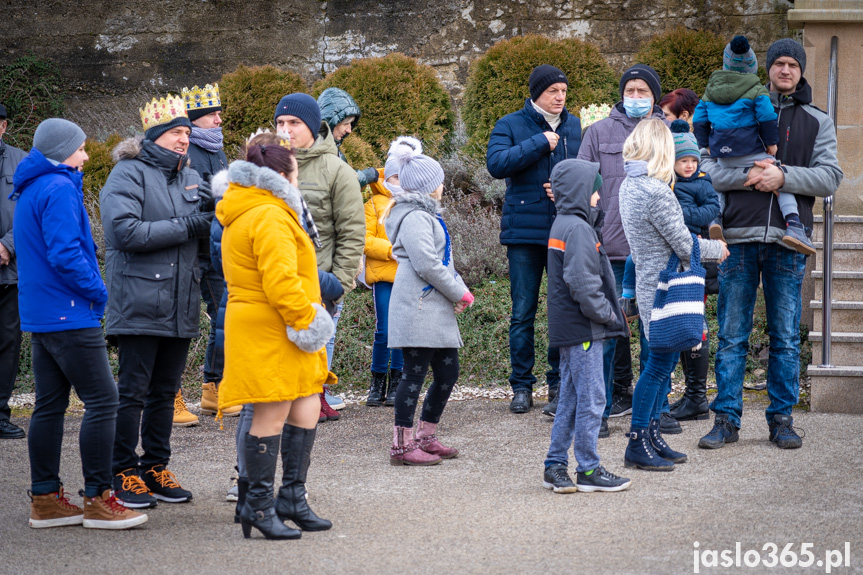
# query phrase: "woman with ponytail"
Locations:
[[427, 293], [275, 333]]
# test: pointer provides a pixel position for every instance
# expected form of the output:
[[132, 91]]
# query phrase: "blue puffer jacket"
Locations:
[[60, 287], [698, 200], [519, 152]]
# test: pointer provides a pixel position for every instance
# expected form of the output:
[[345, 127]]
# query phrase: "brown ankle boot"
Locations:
[[105, 512], [430, 444], [406, 451], [53, 510]]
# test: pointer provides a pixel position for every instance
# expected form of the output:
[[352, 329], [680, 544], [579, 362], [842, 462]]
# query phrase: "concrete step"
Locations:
[[845, 228], [836, 389], [847, 316], [846, 348], [847, 256], [847, 286]]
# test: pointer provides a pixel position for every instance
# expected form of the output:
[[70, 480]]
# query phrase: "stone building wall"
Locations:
[[108, 49]]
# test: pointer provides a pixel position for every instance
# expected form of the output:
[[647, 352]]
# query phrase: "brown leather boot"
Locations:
[[105, 512], [406, 451], [53, 510]]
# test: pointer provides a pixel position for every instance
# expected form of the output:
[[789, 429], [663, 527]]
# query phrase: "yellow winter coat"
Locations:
[[380, 265], [272, 278]]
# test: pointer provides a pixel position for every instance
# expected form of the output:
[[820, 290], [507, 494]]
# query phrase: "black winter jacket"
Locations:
[[807, 152]]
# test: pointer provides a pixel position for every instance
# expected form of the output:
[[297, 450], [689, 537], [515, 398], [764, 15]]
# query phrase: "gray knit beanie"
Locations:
[[58, 139], [786, 47], [419, 174]]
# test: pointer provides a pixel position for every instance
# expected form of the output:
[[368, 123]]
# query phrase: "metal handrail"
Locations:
[[827, 297]]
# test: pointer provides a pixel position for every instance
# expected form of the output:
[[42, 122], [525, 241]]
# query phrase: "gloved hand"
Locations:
[[207, 203], [198, 224], [371, 175]]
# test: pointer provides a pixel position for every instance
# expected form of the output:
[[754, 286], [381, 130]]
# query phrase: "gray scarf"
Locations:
[[209, 139]]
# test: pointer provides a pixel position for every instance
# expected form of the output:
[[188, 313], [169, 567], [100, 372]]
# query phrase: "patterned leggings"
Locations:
[[444, 364]]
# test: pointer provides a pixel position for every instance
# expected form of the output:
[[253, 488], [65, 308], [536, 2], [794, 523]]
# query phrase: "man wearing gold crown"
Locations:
[[204, 108], [154, 213]]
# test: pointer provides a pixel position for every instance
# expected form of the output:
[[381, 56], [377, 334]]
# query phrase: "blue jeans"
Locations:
[[381, 354], [579, 407], [212, 288], [629, 275], [526, 264], [617, 359], [244, 424], [331, 344], [652, 387], [64, 360], [780, 272]]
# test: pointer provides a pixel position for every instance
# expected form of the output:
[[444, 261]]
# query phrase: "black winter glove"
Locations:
[[207, 203], [371, 175], [198, 224]]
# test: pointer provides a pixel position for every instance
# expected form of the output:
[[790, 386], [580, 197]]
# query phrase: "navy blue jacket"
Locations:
[[698, 200], [519, 152], [60, 287]]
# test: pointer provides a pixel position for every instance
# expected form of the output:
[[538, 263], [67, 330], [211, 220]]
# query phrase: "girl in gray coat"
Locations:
[[654, 226], [427, 293]]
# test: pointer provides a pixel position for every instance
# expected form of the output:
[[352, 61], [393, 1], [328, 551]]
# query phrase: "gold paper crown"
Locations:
[[162, 111], [284, 139], [201, 98]]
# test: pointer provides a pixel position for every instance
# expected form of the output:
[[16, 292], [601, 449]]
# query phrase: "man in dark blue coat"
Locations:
[[10, 326], [523, 148]]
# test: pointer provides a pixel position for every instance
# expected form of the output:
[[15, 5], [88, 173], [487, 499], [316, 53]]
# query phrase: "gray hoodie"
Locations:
[[424, 291], [582, 302]]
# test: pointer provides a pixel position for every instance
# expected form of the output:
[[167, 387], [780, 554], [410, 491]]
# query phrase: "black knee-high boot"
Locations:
[[693, 404], [296, 456], [259, 508]]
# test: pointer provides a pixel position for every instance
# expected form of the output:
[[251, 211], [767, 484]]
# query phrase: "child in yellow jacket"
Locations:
[[380, 272]]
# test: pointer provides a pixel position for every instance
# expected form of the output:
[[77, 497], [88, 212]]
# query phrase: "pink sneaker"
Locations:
[[406, 451], [430, 444]]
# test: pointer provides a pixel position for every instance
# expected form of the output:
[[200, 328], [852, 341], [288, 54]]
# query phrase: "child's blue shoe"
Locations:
[[641, 455]]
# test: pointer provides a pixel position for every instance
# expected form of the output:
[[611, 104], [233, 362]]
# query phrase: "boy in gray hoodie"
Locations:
[[582, 311]]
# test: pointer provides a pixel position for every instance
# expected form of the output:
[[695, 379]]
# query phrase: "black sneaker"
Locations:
[[668, 425], [783, 434], [600, 479], [723, 432], [522, 401], [551, 408], [9, 430], [163, 485], [557, 479], [621, 405], [131, 491], [603, 429]]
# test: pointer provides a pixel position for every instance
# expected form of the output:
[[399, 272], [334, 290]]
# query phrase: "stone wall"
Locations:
[[120, 47]]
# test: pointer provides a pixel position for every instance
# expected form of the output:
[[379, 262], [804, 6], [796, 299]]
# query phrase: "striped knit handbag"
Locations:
[[677, 319]]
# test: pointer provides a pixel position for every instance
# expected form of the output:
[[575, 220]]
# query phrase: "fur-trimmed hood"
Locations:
[[242, 175], [137, 148]]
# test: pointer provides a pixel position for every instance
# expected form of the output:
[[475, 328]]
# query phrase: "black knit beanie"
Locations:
[[646, 73], [542, 77], [153, 133], [786, 47]]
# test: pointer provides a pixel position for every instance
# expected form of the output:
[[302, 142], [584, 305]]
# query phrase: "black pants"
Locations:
[[10, 345], [63, 360], [212, 288], [444, 364], [151, 369]]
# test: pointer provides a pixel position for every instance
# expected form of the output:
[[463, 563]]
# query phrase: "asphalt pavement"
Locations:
[[484, 512]]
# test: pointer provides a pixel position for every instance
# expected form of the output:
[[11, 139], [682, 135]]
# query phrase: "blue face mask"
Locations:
[[637, 107]]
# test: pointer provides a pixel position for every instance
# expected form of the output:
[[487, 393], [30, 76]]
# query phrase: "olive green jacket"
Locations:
[[331, 190]]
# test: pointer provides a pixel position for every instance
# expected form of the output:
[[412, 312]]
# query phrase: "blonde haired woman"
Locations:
[[654, 226]]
